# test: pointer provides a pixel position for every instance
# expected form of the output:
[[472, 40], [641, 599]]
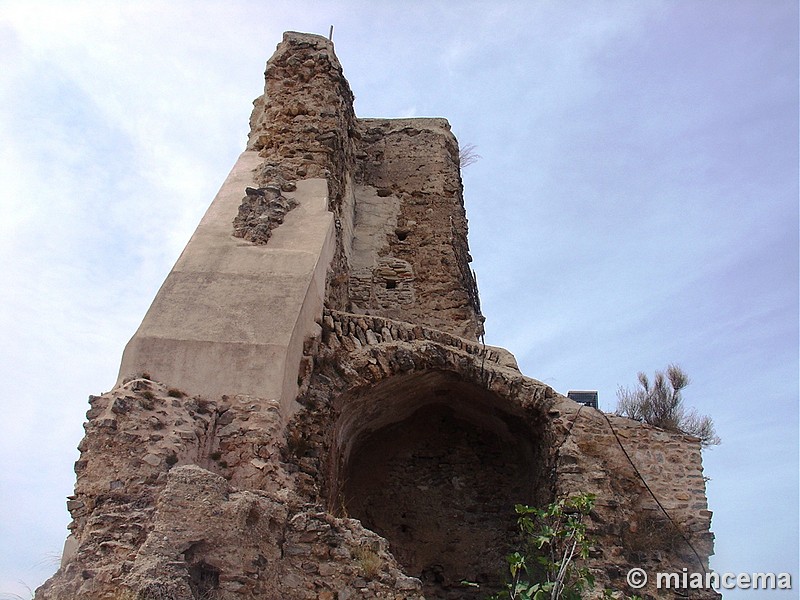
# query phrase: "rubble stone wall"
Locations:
[[373, 399], [395, 473], [414, 165], [415, 265], [304, 126]]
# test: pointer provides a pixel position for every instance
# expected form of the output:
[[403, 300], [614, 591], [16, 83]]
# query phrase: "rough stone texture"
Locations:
[[386, 397], [261, 211], [394, 187], [420, 268], [185, 498], [304, 126], [380, 451]]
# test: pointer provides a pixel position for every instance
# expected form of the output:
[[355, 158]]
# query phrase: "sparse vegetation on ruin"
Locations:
[[660, 403], [554, 541], [468, 155], [368, 560]]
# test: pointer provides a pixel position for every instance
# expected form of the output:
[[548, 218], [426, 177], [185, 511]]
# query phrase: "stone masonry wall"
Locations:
[[304, 126], [185, 498], [189, 498], [650, 494], [426, 255], [397, 475], [651, 509]]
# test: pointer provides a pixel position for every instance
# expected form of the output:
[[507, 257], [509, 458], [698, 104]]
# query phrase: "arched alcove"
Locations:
[[435, 465]]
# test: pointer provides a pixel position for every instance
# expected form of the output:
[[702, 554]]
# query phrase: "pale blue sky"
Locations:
[[636, 204]]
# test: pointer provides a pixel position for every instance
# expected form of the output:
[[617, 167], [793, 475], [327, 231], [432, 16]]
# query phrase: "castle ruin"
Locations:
[[308, 411]]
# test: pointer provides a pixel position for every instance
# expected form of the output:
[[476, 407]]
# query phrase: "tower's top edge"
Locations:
[[400, 122], [311, 38], [311, 45]]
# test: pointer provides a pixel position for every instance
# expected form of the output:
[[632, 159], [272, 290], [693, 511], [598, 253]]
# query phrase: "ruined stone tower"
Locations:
[[307, 409]]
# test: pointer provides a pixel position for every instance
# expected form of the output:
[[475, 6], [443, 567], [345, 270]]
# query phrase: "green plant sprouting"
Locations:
[[554, 542], [554, 538]]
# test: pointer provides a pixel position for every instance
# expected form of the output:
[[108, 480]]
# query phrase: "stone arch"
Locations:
[[434, 458]]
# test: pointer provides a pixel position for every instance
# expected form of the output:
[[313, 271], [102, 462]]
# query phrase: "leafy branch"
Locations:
[[554, 538]]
